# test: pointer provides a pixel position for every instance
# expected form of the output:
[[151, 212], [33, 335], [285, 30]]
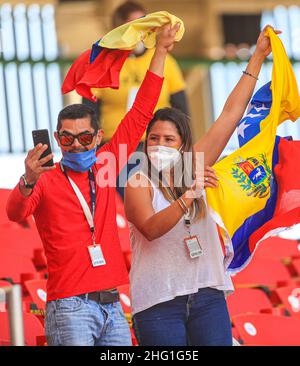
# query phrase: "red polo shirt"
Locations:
[[60, 220]]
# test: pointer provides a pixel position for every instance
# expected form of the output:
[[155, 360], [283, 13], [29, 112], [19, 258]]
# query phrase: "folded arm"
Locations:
[[139, 210]]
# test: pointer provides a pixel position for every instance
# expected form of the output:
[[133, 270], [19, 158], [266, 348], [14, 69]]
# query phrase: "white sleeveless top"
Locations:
[[162, 269]]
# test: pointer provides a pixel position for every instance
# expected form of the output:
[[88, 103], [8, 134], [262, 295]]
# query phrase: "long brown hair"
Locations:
[[182, 123]]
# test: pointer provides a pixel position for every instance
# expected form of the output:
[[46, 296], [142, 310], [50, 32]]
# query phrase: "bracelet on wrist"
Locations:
[[23, 182], [249, 74]]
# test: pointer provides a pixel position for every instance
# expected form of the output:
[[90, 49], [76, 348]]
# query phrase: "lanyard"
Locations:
[[187, 222], [89, 215], [186, 217]]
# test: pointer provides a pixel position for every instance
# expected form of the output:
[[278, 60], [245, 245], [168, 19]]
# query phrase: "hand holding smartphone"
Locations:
[[38, 161], [42, 137]]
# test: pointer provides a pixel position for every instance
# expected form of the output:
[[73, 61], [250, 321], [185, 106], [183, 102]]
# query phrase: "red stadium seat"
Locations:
[[12, 265], [127, 258], [245, 300], [235, 333], [4, 193], [39, 259], [289, 296], [263, 272], [296, 266], [18, 243], [38, 292], [268, 330], [123, 229], [125, 299], [21, 240], [4, 283], [32, 328], [18, 237], [28, 222], [278, 249]]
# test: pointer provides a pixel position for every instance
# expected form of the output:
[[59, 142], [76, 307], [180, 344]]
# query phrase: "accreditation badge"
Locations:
[[193, 246], [96, 255]]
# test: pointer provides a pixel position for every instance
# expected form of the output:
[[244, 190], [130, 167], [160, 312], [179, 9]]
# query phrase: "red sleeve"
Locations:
[[19, 206], [134, 124]]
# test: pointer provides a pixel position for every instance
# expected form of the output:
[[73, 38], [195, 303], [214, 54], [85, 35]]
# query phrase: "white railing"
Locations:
[[13, 297]]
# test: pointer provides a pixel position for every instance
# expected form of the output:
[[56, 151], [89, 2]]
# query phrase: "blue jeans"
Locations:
[[200, 319], [75, 321]]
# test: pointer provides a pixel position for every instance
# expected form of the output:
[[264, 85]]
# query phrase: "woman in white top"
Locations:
[[177, 273]]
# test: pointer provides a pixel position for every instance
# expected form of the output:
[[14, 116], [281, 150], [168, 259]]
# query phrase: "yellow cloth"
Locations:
[[128, 35], [114, 103], [230, 204]]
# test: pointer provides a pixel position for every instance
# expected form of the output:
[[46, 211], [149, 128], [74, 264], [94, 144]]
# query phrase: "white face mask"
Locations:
[[162, 157]]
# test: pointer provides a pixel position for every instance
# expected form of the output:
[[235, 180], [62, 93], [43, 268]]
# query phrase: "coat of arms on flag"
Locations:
[[253, 175]]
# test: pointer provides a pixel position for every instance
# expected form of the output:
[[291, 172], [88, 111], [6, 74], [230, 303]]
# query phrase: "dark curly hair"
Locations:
[[75, 111]]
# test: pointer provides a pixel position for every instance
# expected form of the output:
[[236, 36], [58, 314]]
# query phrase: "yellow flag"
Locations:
[[128, 35], [246, 175]]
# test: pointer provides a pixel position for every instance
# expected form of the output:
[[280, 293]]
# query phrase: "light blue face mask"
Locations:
[[80, 162]]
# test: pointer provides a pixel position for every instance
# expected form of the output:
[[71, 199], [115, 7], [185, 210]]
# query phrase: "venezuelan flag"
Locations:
[[100, 66], [241, 203], [128, 35]]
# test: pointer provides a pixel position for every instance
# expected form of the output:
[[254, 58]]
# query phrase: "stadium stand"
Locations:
[[263, 272], [267, 330], [34, 331], [289, 296], [246, 300]]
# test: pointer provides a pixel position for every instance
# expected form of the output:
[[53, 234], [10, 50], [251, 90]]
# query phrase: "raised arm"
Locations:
[[165, 44], [133, 125], [216, 138]]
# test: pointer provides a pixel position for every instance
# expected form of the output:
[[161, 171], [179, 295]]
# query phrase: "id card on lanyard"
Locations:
[[95, 250], [191, 241]]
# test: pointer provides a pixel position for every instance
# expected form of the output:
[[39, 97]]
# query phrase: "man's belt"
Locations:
[[102, 297]]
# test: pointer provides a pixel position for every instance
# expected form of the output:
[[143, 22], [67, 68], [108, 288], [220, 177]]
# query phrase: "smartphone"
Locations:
[[42, 137]]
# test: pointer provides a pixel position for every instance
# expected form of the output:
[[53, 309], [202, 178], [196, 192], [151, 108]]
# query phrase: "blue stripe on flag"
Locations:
[[96, 49], [259, 108]]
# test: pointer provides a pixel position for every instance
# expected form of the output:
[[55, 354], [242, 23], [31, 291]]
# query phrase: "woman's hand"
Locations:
[[263, 44], [166, 37], [207, 179], [164, 43], [210, 178]]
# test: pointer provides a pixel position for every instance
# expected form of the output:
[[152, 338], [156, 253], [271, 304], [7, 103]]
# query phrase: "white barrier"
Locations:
[[13, 296]]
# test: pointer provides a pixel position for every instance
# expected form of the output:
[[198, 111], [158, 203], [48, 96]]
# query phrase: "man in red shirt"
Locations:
[[76, 218]]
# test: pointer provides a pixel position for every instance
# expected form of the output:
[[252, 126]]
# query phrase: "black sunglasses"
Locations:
[[84, 138]]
